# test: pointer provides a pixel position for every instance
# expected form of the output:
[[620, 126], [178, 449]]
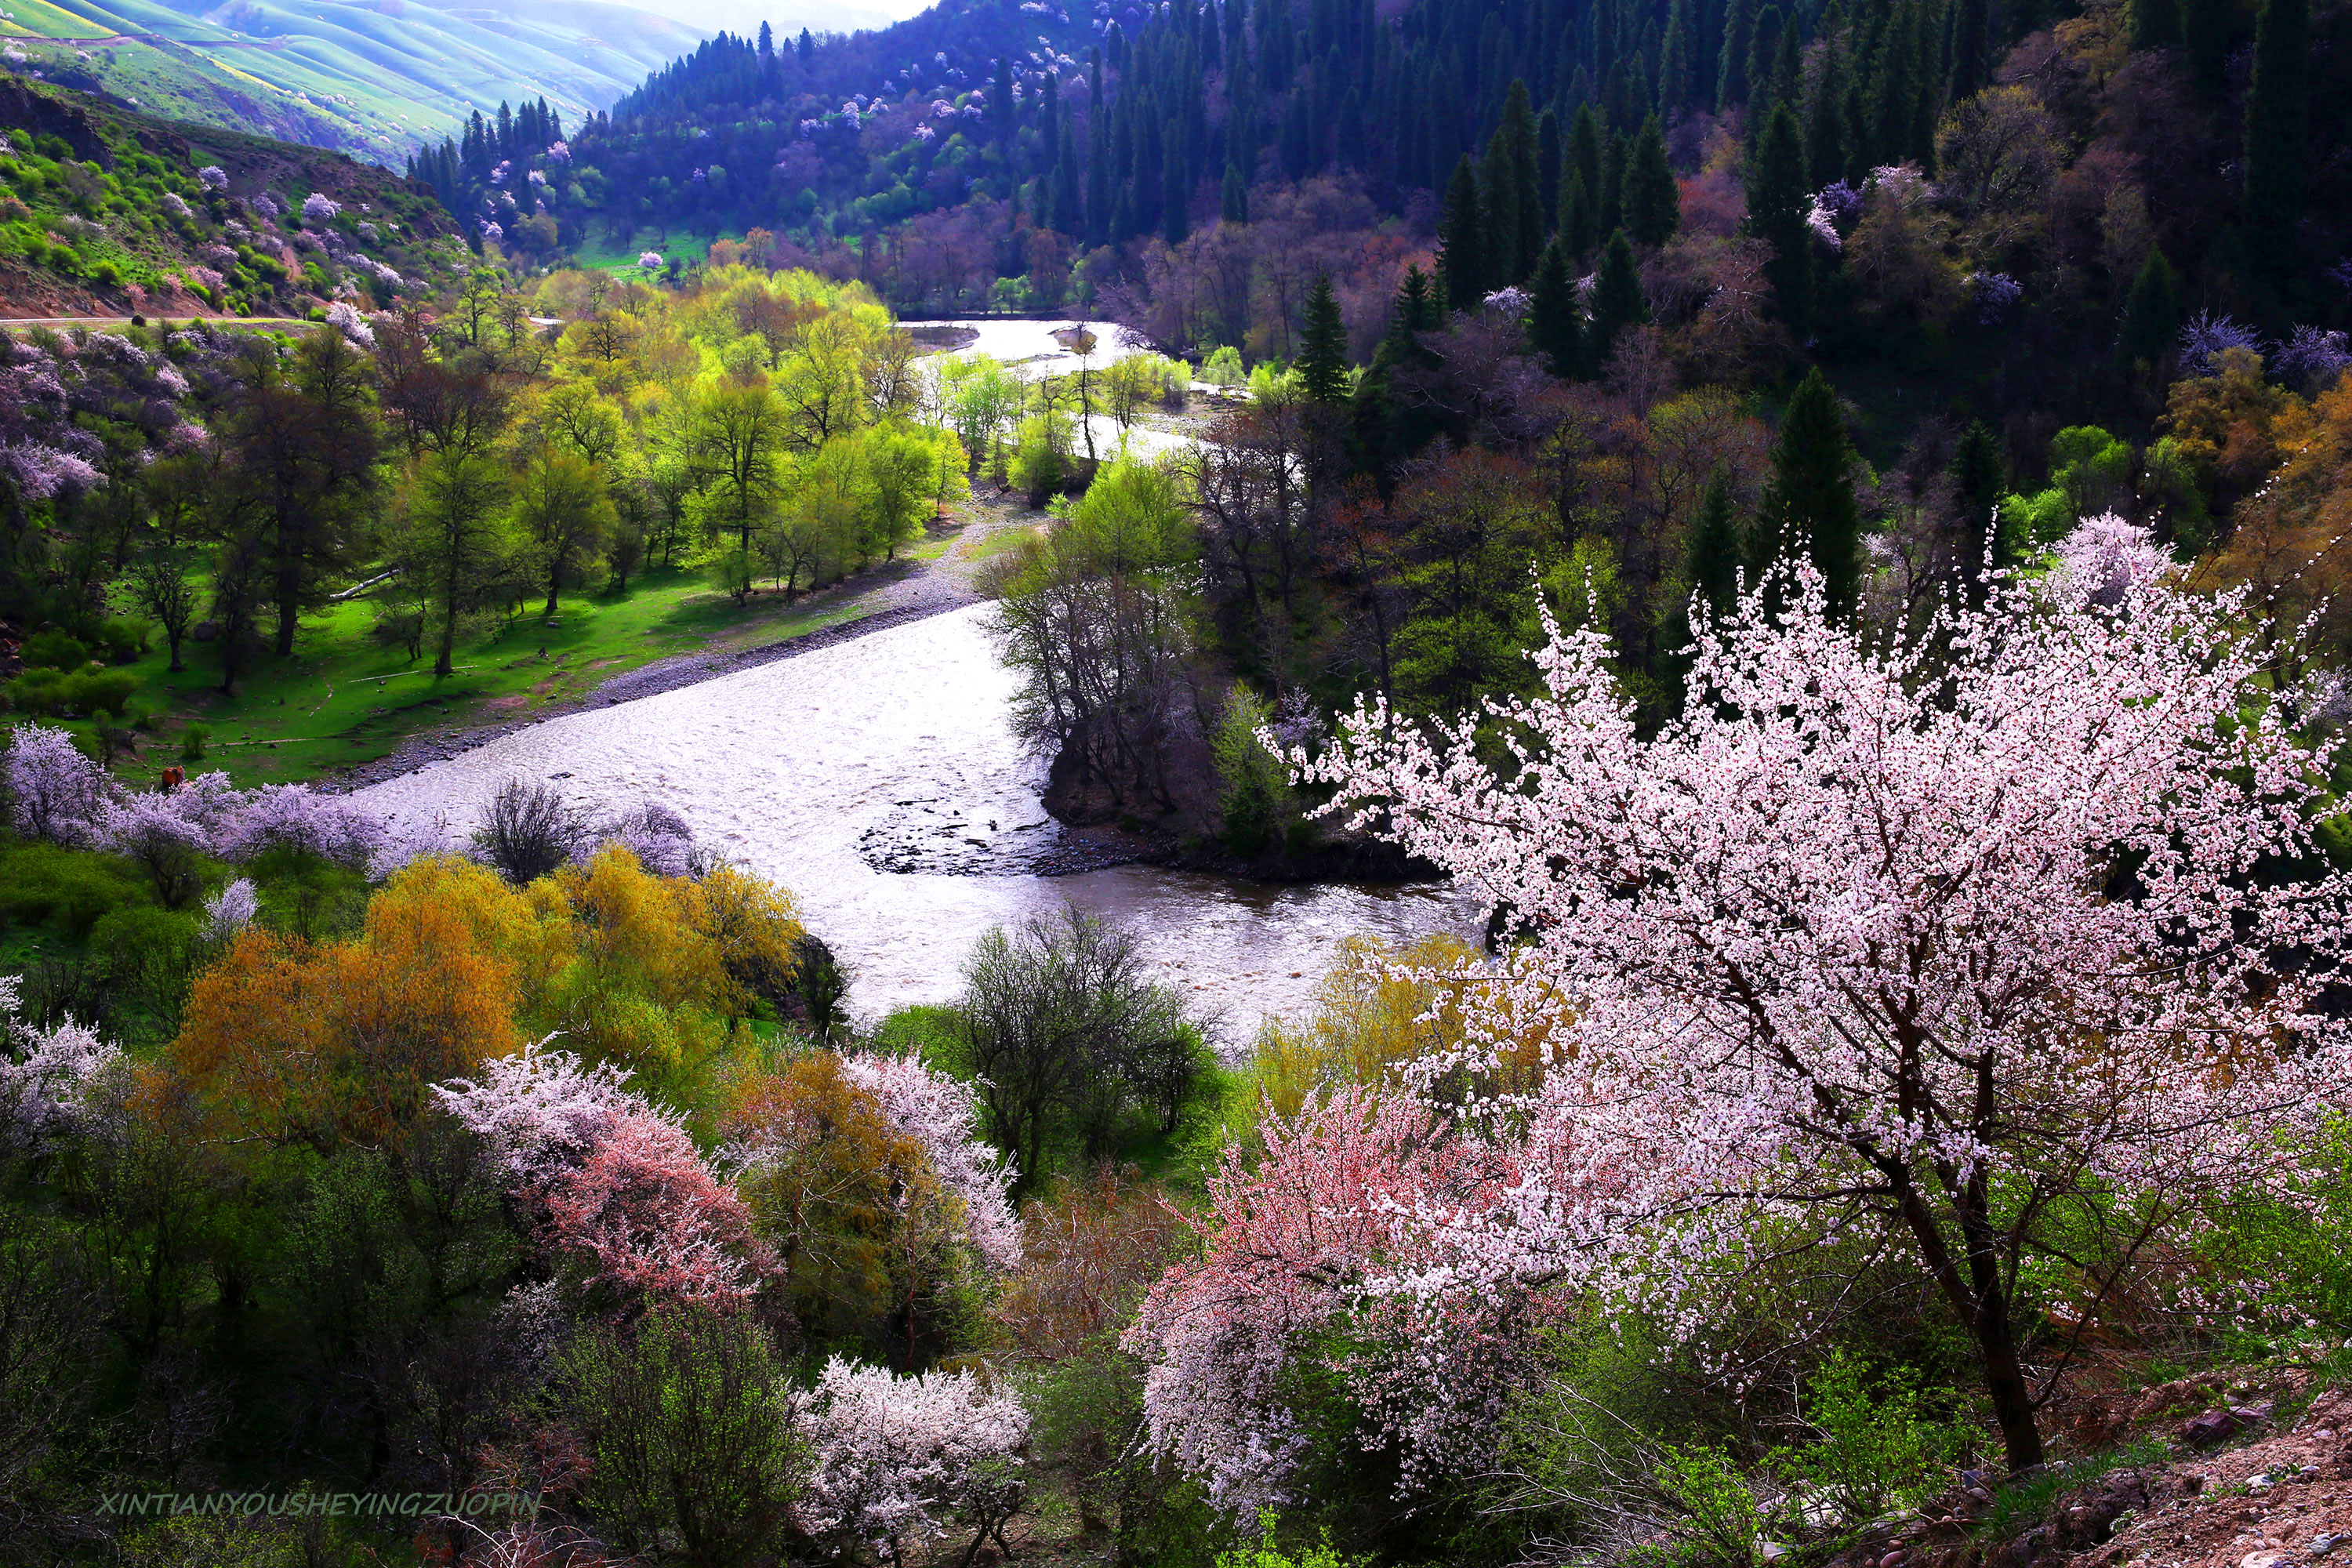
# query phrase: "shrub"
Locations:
[[97, 690], [43, 882], [1876, 1448], [54, 650], [528, 831], [192, 743]]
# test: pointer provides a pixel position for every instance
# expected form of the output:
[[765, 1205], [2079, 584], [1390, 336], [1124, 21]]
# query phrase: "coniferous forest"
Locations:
[[1294, 784]]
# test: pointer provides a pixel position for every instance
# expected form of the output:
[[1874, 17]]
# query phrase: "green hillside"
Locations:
[[107, 211], [377, 80]]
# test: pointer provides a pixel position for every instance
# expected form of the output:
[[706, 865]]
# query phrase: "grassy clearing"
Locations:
[[344, 699]]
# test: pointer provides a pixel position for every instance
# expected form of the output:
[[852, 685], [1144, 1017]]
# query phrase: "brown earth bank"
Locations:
[[2255, 1472]]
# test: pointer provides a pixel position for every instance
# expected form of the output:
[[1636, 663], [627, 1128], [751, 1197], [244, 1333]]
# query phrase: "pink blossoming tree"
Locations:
[[1984, 948], [2008, 945]]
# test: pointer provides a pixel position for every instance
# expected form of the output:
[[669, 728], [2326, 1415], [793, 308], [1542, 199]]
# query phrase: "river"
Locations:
[[895, 748]]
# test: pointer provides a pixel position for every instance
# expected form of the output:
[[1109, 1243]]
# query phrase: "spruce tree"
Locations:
[[1550, 152], [1584, 155], [2151, 314], [1555, 323], [2277, 110], [1809, 504], [1653, 201], [1825, 127], [1610, 212], [2155, 24], [1711, 550], [1731, 70], [1618, 301], [1972, 47], [1576, 217], [1977, 484], [1499, 195], [1519, 130], [1322, 362], [1778, 201], [1460, 267], [2205, 27], [1232, 201], [1176, 202]]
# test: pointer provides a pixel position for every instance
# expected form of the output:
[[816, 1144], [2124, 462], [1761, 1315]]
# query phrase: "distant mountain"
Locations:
[[376, 77]]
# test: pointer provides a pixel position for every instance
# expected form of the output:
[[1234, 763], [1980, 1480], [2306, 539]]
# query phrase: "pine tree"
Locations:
[[1825, 127], [1518, 130], [1618, 301], [2155, 24], [1977, 484], [2277, 110], [2151, 315], [1731, 71], [1576, 217], [1322, 362], [1971, 47], [2205, 27], [1584, 153], [1000, 105], [1711, 550], [806, 47], [1461, 270], [1550, 152], [1232, 201], [1777, 202], [1069, 216], [1653, 201], [1176, 202], [1610, 214], [1499, 193], [1810, 504], [1555, 323]]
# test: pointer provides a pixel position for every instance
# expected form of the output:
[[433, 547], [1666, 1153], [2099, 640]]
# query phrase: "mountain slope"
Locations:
[[378, 80], [107, 211]]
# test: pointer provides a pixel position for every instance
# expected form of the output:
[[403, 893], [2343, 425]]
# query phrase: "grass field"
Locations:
[[345, 698]]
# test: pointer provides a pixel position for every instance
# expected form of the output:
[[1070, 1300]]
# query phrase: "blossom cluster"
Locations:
[[44, 1074], [614, 1181], [1842, 946], [937, 1112], [894, 1457]]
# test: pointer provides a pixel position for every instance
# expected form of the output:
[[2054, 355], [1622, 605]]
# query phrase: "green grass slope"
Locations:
[[375, 78], [103, 211]]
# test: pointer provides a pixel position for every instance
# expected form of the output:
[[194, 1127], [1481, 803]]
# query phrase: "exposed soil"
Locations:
[[2258, 1474]]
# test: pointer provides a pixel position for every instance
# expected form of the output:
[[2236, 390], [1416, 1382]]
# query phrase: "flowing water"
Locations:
[[880, 781]]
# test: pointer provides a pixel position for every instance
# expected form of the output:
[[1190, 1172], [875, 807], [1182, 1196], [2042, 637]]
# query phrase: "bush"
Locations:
[[54, 650], [192, 743], [97, 690], [1875, 1448], [124, 641], [528, 831], [74, 887]]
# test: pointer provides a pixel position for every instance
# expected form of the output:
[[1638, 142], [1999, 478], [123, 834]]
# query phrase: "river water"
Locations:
[[895, 750]]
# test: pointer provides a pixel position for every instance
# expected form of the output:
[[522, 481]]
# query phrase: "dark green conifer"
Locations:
[[1972, 47], [1518, 130], [1322, 362], [1555, 322], [2151, 314], [1653, 201], [2277, 111], [1550, 152], [1232, 201], [1461, 270], [2205, 27], [1618, 301], [1978, 481], [1825, 127], [1499, 196], [1711, 550], [1809, 504], [1778, 201], [2155, 24]]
